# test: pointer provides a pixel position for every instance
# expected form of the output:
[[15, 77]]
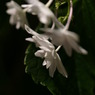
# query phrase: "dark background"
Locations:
[[81, 69], [13, 79]]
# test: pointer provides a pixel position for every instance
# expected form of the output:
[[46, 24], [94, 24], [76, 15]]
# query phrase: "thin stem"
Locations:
[[49, 3], [26, 7], [58, 24], [53, 25], [58, 48], [70, 14]]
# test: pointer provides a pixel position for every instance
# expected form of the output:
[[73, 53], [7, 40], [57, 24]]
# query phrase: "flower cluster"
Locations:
[[18, 15], [57, 35]]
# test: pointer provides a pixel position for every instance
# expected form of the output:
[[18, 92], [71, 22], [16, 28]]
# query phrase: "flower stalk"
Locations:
[[70, 12]]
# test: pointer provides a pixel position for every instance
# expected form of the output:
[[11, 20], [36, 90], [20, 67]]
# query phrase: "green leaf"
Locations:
[[59, 3], [85, 71], [39, 73], [58, 85], [81, 69], [62, 19], [84, 23]]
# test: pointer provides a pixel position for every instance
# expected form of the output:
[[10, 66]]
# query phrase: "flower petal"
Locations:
[[83, 51], [60, 67], [30, 39], [18, 25], [44, 62], [11, 11], [12, 20], [48, 64], [40, 53], [45, 48], [67, 47], [31, 1], [44, 42], [52, 69], [30, 31]]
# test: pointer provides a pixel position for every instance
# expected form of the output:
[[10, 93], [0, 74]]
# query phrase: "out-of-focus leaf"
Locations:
[[58, 85], [84, 23], [81, 69], [85, 71], [59, 3], [38, 72]]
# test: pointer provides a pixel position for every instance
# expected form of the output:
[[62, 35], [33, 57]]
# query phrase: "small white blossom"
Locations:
[[51, 61], [44, 14], [68, 39], [39, 39], [47, 4], [32, 32], [17, 15], [61, 36], [48, 52], [39, 9]]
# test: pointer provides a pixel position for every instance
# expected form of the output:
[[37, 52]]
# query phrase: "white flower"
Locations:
[[48, 52], [31, 1], [18, 16], [68, 39], [51, 61], [44, 14], [39, 39], [35, 34], [47, 4], [39, 9]]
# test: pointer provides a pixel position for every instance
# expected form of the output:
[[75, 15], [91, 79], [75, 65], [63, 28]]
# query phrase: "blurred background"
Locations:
[[13, 79], [81, 69]]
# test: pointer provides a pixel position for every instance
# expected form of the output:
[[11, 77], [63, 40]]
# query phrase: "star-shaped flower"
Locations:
[[48, 52], [51, 61], [68, 39], [44, 14], [39, 9], [17, 15]]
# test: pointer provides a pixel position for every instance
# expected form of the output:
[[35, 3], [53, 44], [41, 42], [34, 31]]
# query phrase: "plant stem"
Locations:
[[58, 48], [70, 11], [49, 3]]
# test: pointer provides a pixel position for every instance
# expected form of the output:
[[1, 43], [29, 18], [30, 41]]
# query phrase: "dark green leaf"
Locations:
[[81, 69], [84, 23], [38, 72]]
